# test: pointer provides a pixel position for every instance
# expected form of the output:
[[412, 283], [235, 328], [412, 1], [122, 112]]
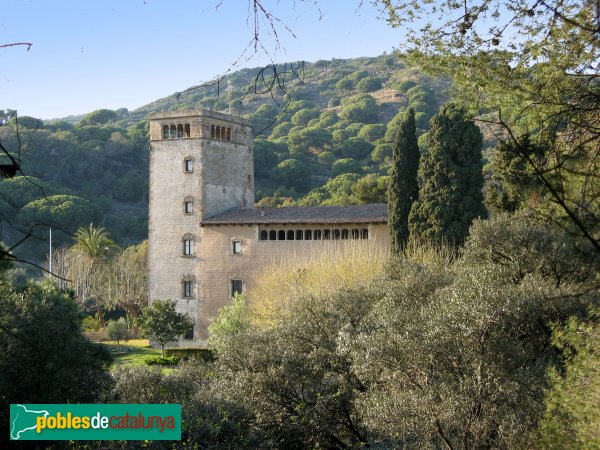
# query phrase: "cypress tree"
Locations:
[[403, 188], [451, 179]]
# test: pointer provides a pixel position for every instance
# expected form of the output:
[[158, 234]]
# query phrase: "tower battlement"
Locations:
[[199, 124]]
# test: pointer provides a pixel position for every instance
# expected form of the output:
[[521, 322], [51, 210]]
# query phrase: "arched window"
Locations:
[[179, 131], [290, 235], [281, 235], [317, 235], [272, 235], [166, 132], [299, 235], [345, 233], [264, 235], [326, 234], [336, 234], [186, 130], [355, 233], [173, 132], [308, 235], [213, 131], [364, 233]]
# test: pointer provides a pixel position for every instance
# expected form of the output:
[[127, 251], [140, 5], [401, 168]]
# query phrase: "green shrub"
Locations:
[[159, 361], [406, 85], [368, 84], [204, 354], [90, 323]]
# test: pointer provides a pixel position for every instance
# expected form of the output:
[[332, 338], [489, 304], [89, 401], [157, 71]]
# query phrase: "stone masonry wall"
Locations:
[[218, 265]]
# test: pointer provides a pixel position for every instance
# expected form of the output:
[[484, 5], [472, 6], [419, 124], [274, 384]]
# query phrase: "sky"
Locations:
[[93, 54]]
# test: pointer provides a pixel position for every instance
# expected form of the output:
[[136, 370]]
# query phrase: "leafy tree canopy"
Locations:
[[163, 324]]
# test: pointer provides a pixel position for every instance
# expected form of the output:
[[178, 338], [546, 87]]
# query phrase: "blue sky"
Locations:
[[92, 54]]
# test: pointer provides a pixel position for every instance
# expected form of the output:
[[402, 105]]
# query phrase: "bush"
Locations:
[[117, 330], [303, 116], [159, 361], [346, 165], [372, 132], [90, 323], [406, 85], [360, 108], [368, 84], [204, 354], [345, 84]]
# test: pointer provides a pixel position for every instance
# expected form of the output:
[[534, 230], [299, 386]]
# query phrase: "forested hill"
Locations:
[[326, 139]]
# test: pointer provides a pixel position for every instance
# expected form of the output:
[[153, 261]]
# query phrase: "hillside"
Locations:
[[324, 139]]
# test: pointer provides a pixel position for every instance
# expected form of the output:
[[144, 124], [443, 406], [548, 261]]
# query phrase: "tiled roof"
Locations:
[[376, 213]]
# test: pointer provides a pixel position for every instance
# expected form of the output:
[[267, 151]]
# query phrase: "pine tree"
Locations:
[[403, 187], [451, 179]]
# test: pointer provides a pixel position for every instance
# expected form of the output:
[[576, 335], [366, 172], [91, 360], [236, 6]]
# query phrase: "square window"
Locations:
[[189, 207], [237, 247], [188, 289], [189, 165]]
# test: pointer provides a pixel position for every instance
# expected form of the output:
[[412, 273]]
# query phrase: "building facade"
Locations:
[[206, 239]]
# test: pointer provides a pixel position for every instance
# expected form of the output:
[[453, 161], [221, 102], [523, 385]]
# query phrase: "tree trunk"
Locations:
[[100, 315]]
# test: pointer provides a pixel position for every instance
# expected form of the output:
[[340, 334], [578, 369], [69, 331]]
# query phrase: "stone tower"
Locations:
[[201, 164]]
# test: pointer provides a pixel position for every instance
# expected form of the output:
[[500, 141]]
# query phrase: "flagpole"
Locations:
[[50, 254]]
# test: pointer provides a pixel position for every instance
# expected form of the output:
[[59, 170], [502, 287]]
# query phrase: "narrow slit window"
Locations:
[[189, 207], [236, 247], [188, 289], [189, 165], [236, 287], [188, 247]]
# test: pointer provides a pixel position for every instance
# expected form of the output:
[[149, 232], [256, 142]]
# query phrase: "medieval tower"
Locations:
[[207, 241], [201, 164]]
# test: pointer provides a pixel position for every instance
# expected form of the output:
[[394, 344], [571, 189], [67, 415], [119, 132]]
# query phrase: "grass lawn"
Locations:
[[138, 351]]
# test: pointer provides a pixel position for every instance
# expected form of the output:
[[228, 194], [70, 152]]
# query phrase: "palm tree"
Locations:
[[95, 244]]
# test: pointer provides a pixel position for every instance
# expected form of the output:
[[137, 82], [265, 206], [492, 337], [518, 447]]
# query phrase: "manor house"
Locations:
[[207, 240]]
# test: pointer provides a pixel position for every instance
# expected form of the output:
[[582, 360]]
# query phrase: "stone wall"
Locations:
[[221, 177], [218, 265]]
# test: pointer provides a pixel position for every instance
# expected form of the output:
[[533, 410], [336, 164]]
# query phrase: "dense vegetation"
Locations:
[[488, 339], [327, 140]]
